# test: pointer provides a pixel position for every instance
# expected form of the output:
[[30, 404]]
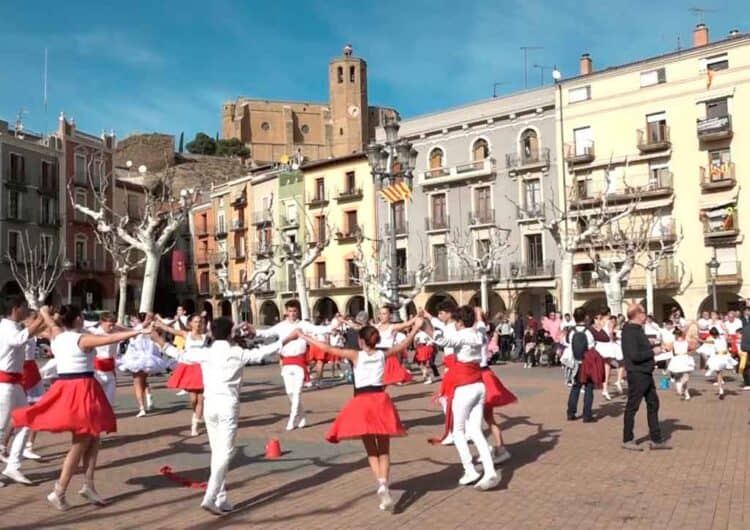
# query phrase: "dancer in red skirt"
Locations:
[[75, 402], [370, 415], [189, 376], [425, 353], [395, 372]]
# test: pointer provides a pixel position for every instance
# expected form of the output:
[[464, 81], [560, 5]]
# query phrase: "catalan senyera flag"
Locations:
[[179, 274], [396, 192]]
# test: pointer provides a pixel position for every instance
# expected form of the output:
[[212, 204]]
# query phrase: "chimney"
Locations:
[[700, 35], [586, 65], [734, 33]]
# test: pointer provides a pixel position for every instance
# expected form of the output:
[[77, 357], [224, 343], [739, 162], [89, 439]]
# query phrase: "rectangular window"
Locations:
[[659, 175], [482, 203], [48, 176], [715, 63], [220, 227], [14, 243], [653, 77], [401, 264], [81, 198], [80, 169], [291, 212], [320, 273], [17, 168], [400, 214], [534, 255], [14, 204], [351, 183], [440, 258], [352, 273], [656, 127], [717, 108], [320, 233], [727, 258], [583, 138], [320, 189], [439, 213], [204, 282], [80, 253], [533, 195], [133, 207], [579, 94], [351, 222], [351, 74], [291, 279], [204, 223], [98, 256]]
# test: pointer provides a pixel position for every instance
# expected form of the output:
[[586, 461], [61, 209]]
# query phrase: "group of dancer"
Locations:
[[210, 367]]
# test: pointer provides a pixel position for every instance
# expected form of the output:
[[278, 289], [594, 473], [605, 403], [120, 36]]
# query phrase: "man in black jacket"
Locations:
[[745, 346], [638, 355]]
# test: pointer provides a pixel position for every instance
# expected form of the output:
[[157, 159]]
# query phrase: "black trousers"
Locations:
[[641, 386]]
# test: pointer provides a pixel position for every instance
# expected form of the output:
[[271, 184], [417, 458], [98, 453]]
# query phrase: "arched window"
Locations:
[[480, 150], [340, 73], [529, 146], [436, 158]]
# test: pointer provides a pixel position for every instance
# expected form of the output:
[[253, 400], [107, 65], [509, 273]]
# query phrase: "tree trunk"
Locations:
[[123, 285], [650, 291], [150, 274], [32, 300], [235, 310], [485, 294], [613, 292], [304, 303], [566, 282]]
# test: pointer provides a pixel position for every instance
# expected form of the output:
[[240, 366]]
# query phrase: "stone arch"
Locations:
[[226, 308], [356, 304], [725, 300], [324, 309], [497, 305], [268, 313], [88, 294]]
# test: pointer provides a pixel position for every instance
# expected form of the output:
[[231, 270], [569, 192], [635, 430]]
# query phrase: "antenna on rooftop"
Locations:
[[525, 50], [701, 12], [494, 87]]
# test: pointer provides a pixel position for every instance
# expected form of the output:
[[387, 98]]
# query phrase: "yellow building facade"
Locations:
[[669, 131]]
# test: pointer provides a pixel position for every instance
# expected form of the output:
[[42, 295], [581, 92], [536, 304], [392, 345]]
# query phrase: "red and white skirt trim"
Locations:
[[74, 403], [395, 372], [187, 377], [367, 413]]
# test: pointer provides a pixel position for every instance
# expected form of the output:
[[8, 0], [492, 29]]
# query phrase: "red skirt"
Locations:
[[592, 369], [395, 372], [496, 394], [370, 413], [187, 377], [70, 405], [316, 354], [425, 353], [31, 375]]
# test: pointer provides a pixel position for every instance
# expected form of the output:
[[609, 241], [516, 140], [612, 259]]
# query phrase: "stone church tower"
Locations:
[[347, 82]]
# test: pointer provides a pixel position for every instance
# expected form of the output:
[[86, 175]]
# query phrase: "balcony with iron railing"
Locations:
[[286, 222], [586, 281], [464, 171], [49, 220], [317, 199], [437, 224], [588, 192], [262, 217], [349, 235], [655, 137], [579, 153], [481, 218], [530, 212], [349, 194], [402, 228], [240, 201], [239, 254], [445, 273], [722, 228], [716, 128], [728, 273], [527, 162], [238, 225], [333, 282], [221, 231], [262, 249], [718, 177], [665, 276], [531, 270]]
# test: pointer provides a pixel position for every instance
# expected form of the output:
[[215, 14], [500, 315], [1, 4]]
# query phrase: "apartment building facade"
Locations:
[[667, 132], [482, 169], [30, 201]]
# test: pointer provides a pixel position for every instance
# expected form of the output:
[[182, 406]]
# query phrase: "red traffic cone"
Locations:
[[273, 448]]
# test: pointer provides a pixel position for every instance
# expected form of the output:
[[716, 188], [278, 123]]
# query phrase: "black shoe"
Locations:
[[572, 418], [589, 420]]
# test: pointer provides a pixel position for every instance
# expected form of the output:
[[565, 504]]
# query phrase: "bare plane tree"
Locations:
[[481, 255], [36, 270], [164, 212], [242, 291]]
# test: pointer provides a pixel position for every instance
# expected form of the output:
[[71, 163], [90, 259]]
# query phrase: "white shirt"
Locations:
[[284, 328], [680, 347], [68, 354], [734, 326], [103, 352], [704, 324], [667, 336], [481, 329], [222, 365], [30, 350], [422, 338], [369, 369], [652, 329], [446, 329], [12, 346], [719, 325], [466, 344], [720, 343]]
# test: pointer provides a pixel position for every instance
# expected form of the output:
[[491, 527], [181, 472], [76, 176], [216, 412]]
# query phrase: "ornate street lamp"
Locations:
[[391, 162], [713, 268]]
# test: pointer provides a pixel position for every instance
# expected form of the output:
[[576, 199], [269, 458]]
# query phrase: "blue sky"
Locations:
[[167, 66]]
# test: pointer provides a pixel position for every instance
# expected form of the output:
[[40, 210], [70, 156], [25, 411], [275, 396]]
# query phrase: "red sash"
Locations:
[[297, 360], [460, 374], [734, 343], [104, 364], [11, 377], [449, 360], [31, 375]]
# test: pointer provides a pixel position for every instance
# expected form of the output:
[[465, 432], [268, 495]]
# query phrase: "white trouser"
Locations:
[[109, 384], [294, 377], [12, 397], [468, 407], [221, 425]]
